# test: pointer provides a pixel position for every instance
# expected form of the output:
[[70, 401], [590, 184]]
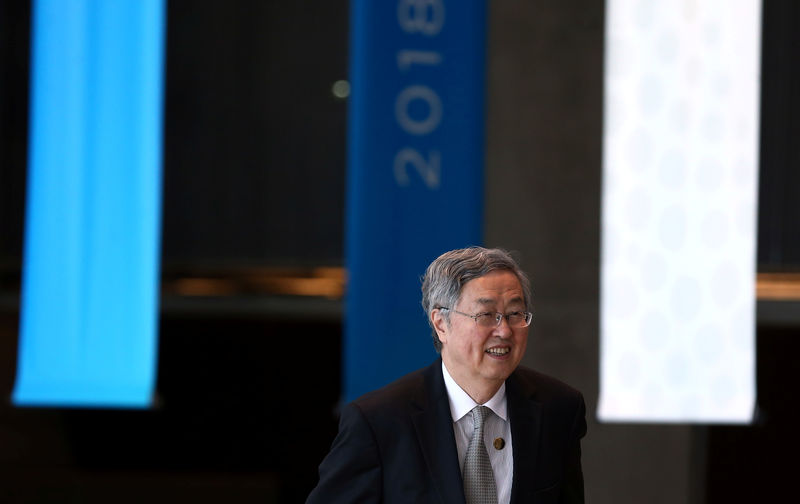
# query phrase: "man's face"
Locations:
[[476, 357]]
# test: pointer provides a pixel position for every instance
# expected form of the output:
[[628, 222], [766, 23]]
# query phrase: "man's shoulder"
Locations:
[[399, 392], [562, 405], [530, 381]]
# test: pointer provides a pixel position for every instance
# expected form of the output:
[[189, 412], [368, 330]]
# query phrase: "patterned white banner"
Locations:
[[680, 179]]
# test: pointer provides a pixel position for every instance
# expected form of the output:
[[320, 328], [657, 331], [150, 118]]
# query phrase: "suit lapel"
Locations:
[[434, 426], [525, 415]]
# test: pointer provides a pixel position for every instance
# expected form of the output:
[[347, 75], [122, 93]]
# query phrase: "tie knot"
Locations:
[[479, 415]]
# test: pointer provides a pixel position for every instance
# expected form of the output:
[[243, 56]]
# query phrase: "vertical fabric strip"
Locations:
[[415, 171], [680, 182], [88, 322]]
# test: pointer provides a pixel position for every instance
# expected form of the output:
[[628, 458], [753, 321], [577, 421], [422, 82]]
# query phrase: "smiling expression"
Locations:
[[480, 359]]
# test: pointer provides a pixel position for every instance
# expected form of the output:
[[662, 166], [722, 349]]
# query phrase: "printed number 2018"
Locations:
[[419, 17]]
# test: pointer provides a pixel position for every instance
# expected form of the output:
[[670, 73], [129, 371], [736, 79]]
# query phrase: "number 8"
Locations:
[[413, 16]]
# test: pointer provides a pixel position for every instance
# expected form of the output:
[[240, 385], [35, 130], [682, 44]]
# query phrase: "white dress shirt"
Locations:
[[495, 426]]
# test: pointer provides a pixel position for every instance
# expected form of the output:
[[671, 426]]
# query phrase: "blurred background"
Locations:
[[253, 270]]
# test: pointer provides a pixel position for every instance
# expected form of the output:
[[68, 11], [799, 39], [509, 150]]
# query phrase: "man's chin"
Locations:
[[499, 370]]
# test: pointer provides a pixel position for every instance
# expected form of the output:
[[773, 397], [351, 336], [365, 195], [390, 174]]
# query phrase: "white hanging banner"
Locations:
[[680, 183]]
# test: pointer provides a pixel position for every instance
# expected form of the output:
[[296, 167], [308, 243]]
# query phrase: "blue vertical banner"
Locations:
[[415, 172], [88, 319]]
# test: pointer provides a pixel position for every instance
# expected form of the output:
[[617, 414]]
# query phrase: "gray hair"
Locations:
[[445, 278]]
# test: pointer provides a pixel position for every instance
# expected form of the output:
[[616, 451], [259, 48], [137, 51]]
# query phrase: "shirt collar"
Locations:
[[461, 403]]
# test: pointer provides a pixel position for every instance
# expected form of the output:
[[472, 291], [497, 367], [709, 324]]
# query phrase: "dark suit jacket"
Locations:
[[396, 444]]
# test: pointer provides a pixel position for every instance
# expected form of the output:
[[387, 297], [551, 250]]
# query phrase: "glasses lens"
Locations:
[[487, 320], [519, 319]]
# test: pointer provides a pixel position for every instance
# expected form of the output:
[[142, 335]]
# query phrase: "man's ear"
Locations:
[[439, 324]]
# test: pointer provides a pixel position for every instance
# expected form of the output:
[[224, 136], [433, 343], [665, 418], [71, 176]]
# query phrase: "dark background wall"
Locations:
[[254, 137], [254, 178]]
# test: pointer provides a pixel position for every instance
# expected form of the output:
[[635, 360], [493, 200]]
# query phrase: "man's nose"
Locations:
[[504, 329]]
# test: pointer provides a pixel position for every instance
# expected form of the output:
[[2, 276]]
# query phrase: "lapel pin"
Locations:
[[499, 443]]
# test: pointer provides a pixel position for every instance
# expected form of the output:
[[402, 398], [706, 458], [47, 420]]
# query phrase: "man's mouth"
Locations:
[[498, 351]]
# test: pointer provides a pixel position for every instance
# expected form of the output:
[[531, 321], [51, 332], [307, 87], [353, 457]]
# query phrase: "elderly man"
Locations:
[[474, 426]]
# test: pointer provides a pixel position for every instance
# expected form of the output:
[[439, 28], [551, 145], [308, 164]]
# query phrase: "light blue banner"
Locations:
[[88, 323], [415, 172]]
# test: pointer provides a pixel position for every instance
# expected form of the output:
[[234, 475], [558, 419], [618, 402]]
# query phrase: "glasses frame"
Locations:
[[498, 317]]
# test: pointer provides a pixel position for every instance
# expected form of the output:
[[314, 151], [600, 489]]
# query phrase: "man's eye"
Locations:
[[485, 315]]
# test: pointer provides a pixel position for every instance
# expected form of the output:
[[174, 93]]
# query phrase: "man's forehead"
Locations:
[[483, 291], [492, 300]]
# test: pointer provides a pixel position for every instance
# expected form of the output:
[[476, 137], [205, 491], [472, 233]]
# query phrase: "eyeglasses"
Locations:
[[490, 320]]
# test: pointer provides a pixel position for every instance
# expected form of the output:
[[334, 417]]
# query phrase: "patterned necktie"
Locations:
[[479, 487]]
